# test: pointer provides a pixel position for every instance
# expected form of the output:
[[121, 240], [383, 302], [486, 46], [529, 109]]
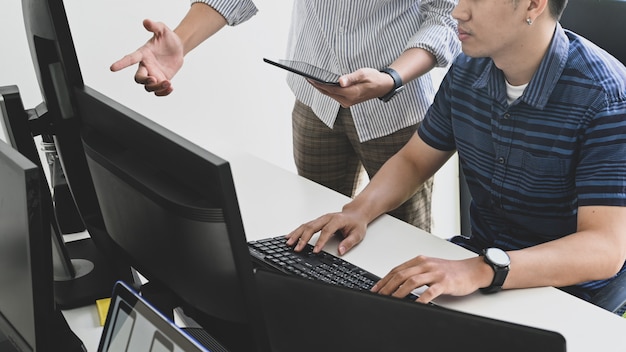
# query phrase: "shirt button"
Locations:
[[501, 160], [507, 116]]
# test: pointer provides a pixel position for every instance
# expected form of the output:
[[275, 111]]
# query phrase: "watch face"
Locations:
[[497, 256]]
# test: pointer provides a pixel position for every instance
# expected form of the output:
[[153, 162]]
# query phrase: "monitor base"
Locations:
[[95, 277]]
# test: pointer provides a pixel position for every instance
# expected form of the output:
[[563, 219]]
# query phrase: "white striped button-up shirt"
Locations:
[[343, 36]]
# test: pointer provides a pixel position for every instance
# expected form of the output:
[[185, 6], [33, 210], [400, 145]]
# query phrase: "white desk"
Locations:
[[274, 201]]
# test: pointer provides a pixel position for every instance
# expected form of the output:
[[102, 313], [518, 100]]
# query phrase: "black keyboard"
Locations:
[[275, 253]]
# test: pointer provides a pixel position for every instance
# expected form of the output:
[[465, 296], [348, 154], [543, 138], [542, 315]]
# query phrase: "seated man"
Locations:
[[538, 117]]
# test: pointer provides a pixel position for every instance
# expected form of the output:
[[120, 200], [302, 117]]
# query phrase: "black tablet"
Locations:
[[306, 70]]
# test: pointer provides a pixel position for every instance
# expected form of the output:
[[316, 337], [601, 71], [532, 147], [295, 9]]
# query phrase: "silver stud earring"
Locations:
[[529, 21]]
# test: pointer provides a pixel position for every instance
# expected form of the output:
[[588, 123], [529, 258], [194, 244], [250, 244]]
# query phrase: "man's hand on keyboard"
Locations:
[[347, 224], [450, 277]]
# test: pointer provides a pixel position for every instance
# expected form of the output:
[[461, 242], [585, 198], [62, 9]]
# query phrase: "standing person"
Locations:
[[537, 115], [385, 51]]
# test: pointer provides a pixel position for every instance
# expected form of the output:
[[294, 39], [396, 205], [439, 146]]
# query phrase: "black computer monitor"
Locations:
[[172, 207], [365, 321], [28, 316], [18, 133], [57, 70]]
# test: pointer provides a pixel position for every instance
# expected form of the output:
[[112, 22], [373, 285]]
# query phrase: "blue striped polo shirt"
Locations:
[[531, 164]]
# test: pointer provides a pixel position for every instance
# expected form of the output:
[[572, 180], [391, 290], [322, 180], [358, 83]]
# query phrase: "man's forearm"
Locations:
[[200, 23]]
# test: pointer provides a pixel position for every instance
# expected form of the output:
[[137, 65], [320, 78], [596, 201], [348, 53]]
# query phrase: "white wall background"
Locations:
[[225, 96]]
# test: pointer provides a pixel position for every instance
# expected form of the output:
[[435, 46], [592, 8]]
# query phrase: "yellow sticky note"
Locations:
[[102, 305]]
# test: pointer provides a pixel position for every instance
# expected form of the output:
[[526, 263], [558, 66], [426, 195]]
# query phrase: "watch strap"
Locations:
[[499, 275], [397, 84]]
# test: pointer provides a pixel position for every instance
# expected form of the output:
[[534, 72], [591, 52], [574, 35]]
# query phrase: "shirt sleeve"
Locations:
[[436, 128], [438, 32], [601, 171], [234, 11]]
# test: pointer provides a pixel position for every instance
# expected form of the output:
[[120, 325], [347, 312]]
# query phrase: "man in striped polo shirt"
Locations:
[[537, 115]]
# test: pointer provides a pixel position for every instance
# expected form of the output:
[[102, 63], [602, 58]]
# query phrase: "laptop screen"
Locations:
[[132, 324]]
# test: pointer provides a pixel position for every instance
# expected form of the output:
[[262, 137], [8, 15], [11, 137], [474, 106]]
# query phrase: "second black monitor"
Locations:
[[172, 208]]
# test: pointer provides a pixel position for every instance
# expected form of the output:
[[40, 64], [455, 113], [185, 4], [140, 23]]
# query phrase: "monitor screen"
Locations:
[[132, 324], [172, 207], [28, 316], [57, 71]]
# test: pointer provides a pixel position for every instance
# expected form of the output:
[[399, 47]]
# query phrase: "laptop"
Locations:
[[308, 315], [132, 324]]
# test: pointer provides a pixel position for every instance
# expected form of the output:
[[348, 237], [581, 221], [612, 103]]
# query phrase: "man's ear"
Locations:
[[536, 8]]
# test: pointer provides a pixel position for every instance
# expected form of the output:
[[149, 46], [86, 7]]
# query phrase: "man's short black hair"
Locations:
[[556, 8]]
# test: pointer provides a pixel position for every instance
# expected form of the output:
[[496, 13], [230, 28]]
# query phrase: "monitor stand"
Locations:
[[93, 277]]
